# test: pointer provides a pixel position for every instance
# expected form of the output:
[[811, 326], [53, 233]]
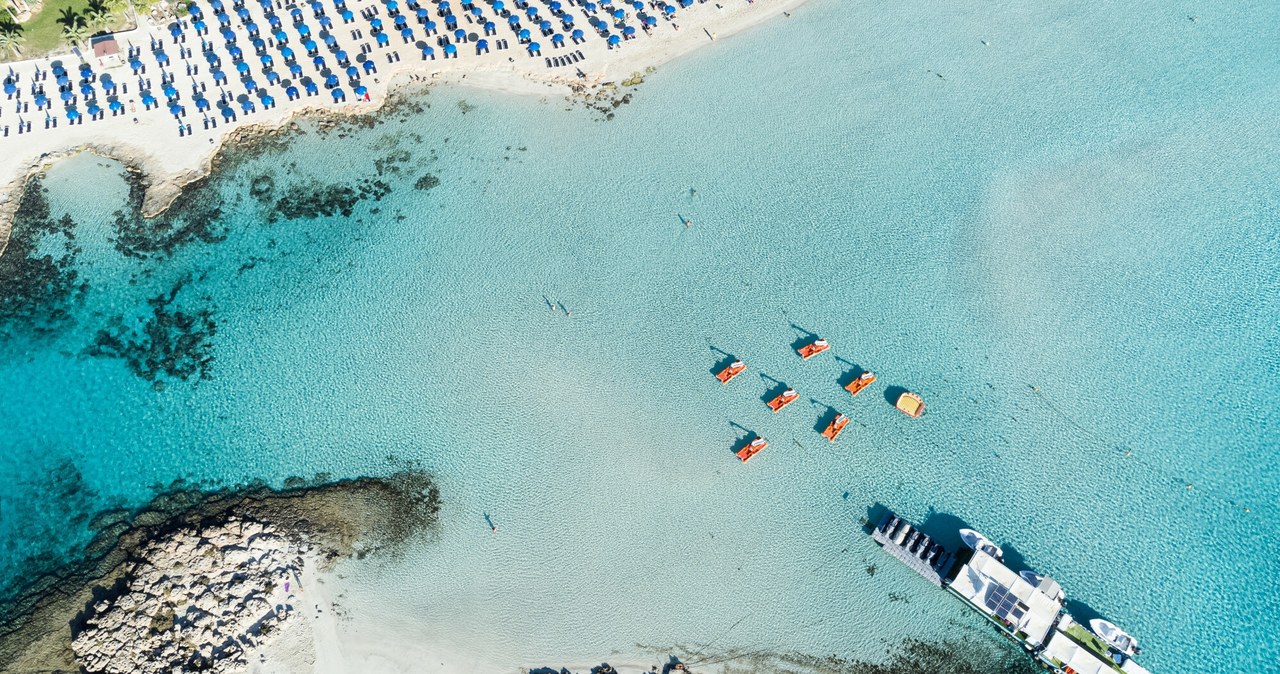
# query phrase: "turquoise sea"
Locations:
[[1058, 222]]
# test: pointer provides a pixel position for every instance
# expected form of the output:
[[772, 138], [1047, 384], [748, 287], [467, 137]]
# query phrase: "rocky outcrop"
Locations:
[[196, 600]]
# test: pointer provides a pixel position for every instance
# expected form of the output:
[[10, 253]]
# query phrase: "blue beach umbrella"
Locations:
[[228, 113], [86, 90], [619, 14], [224, 19], [281, 37], [295, 70], [557, 40], [304, 30], [614, 40], [590, 7], [347, 15], [287, 53], [116, 106], [482, 45], [422, 14], [428, 52], [228, 35], [194, 10], [393, 6], [274, 21], [63, 80], [175, 110], [338, 94], [513, 20], [169, 91], [242, 67], [259, 44], [251, 27], [567, 19], [331, 81], [554, 6], [444, 7], [250, 85], [353, 71], [219, 77], [175, 31], [309, 45], [628, 30], [296, 14], [450, 49], [235, 53], [73, 115], [291, 91], [430, 26], [273, 77], [532, 12], [401, 21], [202, 104], [94, 110], [544, 26], [200, 25], [382, 38], [326, 22], [477, 12], [460, 35], [534, 47], [266, 60], [341, 55], [67, 95], [489, 27], [576, 34], [268, 100], [638, 6], [59, 71], [376, 24], [362, 90], [318, 62], [368, 67], [135, 64], [523, 34], [650, 21], [148, 100], [41, 100], [246, 105], [216, 5], [668, 9], [498, 6], [330, 40], [243, 14]]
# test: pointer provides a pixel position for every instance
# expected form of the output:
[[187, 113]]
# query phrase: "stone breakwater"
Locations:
[[199, 580], [196, 600]]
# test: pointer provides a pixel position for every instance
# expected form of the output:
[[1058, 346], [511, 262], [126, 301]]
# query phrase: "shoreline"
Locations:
[[146, 149], [325, 521]]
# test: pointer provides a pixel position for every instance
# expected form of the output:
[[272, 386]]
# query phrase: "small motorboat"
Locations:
[[976, 541], [864, 380], [754, 447], [734, 369], [813, 348], [910, 404], [1114, 636], [783, 399], [835, 427], [1045, 584]]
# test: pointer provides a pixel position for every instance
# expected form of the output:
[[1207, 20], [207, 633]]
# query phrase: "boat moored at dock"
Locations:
[[1114, 636], [976, 541], [1025, 606], [813, 348], [862, 381], [783, 399], [730, 371], [834, 428], [752, 448]]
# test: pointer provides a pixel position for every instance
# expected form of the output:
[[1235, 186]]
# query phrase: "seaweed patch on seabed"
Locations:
[[169, 344], [313, 198], [196, 215], [912, 656], [38, 281]]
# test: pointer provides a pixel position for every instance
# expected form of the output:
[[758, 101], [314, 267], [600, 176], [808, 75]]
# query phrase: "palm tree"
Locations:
[[11, 39], [76, 34], [98, 14]]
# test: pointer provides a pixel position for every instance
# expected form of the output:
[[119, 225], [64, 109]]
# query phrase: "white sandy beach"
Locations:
[[150, 141]]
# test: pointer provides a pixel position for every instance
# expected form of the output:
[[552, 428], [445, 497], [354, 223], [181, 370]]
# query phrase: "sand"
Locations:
[[153, 146]]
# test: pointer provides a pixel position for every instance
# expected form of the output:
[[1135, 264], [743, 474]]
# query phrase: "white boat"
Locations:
[[1045, 584], [1114, 636], [976, 541]]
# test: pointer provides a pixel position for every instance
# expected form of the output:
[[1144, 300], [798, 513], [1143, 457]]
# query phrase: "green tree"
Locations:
[[76, 34], [98, 15], [11, 39]]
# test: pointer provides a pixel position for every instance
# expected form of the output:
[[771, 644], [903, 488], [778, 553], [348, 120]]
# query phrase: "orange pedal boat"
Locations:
[[835, 427], [783, 399], [910, 404], [754, 447], [813, 348], [734, 369], [864, 380]]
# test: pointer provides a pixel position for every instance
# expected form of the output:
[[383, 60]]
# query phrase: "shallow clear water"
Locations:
[[1065, 239]]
